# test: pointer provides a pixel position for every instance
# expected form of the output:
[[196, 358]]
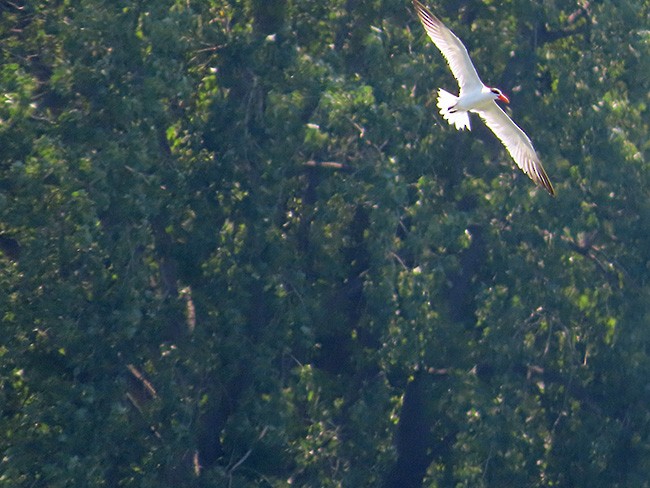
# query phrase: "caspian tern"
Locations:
[[475, 97]]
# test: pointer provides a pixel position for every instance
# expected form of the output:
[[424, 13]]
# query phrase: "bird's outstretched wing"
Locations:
[[451, 48], [517, 143]]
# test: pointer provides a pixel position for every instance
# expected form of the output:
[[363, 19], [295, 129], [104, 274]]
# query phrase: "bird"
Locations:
[[478, 98]]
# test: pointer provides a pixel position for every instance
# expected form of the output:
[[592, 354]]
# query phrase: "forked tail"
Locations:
[[446, 104]]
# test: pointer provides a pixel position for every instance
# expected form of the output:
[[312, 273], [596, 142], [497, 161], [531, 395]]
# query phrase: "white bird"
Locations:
[[475, 97]]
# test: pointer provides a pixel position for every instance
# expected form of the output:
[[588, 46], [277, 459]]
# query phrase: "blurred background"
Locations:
[[239, 246]]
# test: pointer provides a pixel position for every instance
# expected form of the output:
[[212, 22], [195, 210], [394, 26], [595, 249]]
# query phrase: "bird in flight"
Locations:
[[475, 97]]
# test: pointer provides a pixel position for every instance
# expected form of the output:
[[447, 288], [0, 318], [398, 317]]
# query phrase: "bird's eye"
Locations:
[[496, 91]]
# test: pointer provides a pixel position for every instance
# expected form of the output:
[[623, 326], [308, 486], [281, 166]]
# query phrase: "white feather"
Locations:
[[475, 97]]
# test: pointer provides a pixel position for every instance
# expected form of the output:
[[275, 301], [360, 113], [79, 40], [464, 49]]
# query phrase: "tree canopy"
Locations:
[[240, 247]]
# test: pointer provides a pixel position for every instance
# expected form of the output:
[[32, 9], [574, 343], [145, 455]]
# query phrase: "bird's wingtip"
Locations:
[[544, 181]]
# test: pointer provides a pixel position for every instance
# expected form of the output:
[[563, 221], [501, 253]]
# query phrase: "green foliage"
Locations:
[[238, 247]]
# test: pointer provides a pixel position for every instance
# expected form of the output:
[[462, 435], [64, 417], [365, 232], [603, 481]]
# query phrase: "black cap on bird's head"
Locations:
[[499, 95]]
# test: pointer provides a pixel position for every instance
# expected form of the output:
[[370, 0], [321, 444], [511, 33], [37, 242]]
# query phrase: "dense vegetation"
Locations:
[[239, 246]]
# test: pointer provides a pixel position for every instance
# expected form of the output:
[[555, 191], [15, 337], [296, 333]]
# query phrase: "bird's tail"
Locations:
[[446, 104]]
